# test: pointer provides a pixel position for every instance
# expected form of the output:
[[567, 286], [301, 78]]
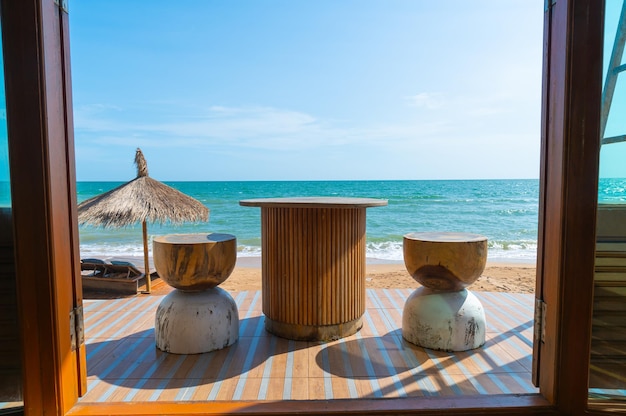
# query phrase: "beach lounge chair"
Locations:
[[93, 267], [123, 267], [115, 277]]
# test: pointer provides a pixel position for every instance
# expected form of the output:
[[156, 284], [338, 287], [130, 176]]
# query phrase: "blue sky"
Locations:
[[311, 90]]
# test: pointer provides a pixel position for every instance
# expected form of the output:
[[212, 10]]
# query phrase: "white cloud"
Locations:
[[428, 100], [250, 127], [273, 137]]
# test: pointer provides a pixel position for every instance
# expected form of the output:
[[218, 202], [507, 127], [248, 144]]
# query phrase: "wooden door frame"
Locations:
[[41, 149], [568, 200], [43, 196]]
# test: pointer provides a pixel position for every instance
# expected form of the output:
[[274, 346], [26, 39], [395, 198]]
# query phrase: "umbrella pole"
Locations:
[[146, 261]]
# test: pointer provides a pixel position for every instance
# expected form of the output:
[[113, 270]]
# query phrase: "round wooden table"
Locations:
[[313, 265]]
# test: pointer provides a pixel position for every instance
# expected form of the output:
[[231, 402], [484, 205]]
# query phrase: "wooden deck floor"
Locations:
[[124, 364]]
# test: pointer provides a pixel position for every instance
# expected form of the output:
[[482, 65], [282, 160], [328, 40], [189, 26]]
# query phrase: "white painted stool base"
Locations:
[[196, 322], [448, 321]]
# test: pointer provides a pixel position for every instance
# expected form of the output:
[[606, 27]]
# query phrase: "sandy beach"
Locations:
[[497, 277]]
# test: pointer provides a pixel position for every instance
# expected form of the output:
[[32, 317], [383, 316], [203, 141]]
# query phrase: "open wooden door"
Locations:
[[43, 195], [570, 146], [607, 367]]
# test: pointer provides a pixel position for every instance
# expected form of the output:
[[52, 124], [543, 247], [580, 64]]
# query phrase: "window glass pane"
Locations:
[[5, 194], [607, 377]]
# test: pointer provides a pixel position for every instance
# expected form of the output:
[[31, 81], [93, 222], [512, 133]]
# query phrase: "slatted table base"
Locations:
[[313, 265], [313, 271]]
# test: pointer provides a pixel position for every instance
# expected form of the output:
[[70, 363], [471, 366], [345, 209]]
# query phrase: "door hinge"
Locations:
[[77, 328], [540, 320], [62, 4]]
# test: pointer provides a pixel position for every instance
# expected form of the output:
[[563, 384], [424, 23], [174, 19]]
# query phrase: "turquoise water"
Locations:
[[505, 211]]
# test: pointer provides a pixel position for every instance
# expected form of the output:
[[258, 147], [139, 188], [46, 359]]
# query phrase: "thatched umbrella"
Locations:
[[141, 200]]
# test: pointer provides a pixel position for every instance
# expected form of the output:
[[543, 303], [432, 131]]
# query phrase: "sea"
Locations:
[[505, 211]]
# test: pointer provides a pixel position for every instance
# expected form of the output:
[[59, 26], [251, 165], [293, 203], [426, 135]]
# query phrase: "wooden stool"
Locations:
[[197, 316], [444, 315]]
